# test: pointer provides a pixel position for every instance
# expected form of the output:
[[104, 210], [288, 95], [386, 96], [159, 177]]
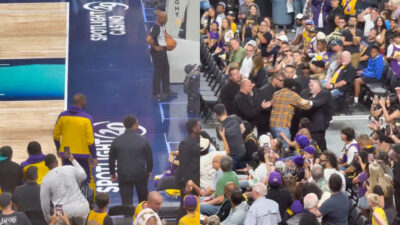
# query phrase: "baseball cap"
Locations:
[[231, 13], [252, 43], [309, 22], [299, 16], [319, 63], [190, 202], [5, 199], [283, 38], [204, 144], [321, 36], [302, 141], [313, 30], [264, 139], [275, 178], [298, 160], [337, 42], [310, 149], [222, 4]]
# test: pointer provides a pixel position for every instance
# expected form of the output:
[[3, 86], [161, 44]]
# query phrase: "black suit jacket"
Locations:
[[134, 156], [228, 92], [189, 161], [320, 113], [245, 107]]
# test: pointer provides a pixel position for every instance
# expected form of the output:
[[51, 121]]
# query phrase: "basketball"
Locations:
[[171, 44]]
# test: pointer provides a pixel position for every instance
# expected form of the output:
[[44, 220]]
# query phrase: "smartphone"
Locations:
[[370, 158], [67, 152], [59, 210], [387, 130]]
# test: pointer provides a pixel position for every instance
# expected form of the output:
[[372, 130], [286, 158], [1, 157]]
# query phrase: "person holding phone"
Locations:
[[60, 186]]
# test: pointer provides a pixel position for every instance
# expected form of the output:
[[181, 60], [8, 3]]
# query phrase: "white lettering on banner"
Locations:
[[106, 132], [99, 20]]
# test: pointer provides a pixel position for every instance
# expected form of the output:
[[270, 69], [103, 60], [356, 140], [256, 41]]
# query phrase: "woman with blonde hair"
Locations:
[[380, 183], [258, 74], [378, 214]]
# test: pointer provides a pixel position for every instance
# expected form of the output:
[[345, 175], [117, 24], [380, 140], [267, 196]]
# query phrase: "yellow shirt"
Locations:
[[138, 209], [381, 213], [189, 220], [306, 38], [233, 27], [336, 75], [350, 8], [96, 218]]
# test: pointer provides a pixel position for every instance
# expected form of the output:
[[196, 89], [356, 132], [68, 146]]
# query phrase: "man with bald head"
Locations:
[[147, 213], [157, 39], [247, 108], [73, 134], [343, 77]]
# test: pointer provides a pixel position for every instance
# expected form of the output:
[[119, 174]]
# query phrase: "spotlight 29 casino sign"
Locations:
[[106, 18], [105, 133]]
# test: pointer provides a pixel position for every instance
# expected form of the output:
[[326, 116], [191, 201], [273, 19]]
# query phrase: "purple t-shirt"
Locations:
[[362, 177], [214, 36]]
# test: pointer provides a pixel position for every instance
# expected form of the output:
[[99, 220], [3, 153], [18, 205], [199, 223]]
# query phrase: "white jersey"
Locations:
[[145, 215]]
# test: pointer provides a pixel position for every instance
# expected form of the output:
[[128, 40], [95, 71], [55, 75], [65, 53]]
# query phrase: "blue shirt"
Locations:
[[375, 68]]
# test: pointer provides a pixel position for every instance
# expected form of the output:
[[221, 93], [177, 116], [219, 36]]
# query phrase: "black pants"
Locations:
[[161, 71], [126, 190], [319, 137]]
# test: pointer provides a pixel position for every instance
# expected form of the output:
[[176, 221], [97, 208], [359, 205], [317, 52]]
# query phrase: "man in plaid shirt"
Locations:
[[283, 103]]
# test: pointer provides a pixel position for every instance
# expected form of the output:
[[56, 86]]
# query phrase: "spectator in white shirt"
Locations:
[[368, 17], [60, 187], [329, 162], [208, 168], [247, 63]]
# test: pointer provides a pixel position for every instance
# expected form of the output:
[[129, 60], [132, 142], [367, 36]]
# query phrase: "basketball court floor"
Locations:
[[53, 50]]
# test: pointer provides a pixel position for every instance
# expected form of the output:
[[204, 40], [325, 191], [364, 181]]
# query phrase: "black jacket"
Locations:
[[348, 74], [10, 175], [245, 107], [27, 197], [320, 112], [134, 156], [227, 96], [189, 161]]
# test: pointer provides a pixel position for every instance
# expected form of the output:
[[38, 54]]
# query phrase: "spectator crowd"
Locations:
[[284, 68]]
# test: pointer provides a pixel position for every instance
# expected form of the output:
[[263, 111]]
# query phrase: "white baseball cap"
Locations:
[[283, 38]]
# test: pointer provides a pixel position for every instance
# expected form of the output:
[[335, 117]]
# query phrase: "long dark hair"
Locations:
[[383, 27]]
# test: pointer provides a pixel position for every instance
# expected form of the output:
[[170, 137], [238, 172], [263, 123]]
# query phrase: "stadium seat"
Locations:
[[121, 210], [354, 215], [36, 217], [361, 221], [383, 87], [122, 214]]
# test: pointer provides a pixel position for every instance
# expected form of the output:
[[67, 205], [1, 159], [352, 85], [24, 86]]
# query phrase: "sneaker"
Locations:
[[159, 98], [170, 94]]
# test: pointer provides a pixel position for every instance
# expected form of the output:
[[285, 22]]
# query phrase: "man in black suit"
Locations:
[[247, 108], [134, 158], [27, 196], [320, 112], [230, 89]]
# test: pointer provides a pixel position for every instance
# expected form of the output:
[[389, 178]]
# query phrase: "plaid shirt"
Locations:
[[283, 103]]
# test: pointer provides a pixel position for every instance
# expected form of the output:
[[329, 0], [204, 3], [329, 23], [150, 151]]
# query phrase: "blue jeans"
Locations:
[[336, 93], [208, 209], [276, 134]]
